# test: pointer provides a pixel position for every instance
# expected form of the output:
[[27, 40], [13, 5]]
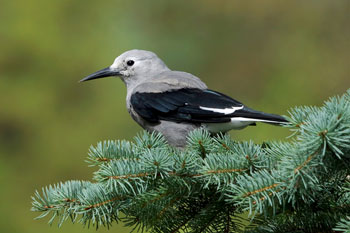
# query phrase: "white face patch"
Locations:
[[225, 111], [116, 64], [120, 65]]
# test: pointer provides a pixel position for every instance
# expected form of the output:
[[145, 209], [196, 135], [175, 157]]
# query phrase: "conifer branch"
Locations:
[[260, 190], [298, 185], [308, 159]]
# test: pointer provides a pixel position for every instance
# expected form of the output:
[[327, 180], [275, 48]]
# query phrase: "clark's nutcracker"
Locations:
[[174, 102]]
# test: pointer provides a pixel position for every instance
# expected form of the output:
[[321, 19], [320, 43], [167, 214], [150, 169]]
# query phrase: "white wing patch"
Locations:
[[235, 123], [225, 111], [243, 119]]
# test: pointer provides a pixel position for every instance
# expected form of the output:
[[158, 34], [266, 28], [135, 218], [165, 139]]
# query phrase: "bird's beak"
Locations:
[[106, 72]]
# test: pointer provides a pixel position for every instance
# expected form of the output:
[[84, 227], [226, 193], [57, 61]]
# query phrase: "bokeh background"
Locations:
[[271, 55]]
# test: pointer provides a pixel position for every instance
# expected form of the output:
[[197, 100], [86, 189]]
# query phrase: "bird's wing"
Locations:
[[196, 106]]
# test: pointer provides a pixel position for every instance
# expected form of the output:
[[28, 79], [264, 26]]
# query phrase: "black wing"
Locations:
[[193, 105]]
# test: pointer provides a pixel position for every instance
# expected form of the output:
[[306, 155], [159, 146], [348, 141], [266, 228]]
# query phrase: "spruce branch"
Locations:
[[343, 225], [300, 185]]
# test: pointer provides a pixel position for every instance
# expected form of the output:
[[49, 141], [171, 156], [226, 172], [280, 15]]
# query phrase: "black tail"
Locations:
[[258, 116]]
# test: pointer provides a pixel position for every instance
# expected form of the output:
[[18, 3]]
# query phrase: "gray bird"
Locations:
[[174, 102]]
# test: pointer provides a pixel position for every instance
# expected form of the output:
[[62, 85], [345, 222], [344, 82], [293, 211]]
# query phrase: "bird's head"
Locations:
[[131, 66]]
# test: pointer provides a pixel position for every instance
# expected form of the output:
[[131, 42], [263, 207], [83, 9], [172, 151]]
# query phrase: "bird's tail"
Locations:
[[252, 115]]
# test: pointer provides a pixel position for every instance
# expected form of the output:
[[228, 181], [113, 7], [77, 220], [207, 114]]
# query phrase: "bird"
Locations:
[[174, 103]]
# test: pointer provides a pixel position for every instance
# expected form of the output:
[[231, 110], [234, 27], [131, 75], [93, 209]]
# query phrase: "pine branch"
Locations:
[[301, 185], [343, 225]]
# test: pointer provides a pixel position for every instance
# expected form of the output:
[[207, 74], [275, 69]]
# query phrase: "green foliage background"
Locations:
[[271, 55]]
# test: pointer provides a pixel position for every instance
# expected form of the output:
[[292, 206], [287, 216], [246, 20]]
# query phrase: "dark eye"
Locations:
[[130, 62]]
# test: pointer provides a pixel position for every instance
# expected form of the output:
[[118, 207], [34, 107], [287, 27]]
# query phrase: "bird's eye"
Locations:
[[130, 62]]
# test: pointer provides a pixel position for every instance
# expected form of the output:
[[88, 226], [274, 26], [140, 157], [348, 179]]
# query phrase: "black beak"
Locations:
[[106, 72]]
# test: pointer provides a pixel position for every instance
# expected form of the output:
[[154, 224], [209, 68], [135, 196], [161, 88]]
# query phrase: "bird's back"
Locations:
[[168, 80]]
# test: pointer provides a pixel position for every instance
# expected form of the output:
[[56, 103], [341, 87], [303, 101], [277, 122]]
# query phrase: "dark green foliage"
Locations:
[[298, 186]]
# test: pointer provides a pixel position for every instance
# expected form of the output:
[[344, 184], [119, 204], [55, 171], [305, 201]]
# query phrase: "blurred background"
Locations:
[[271, 55]]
